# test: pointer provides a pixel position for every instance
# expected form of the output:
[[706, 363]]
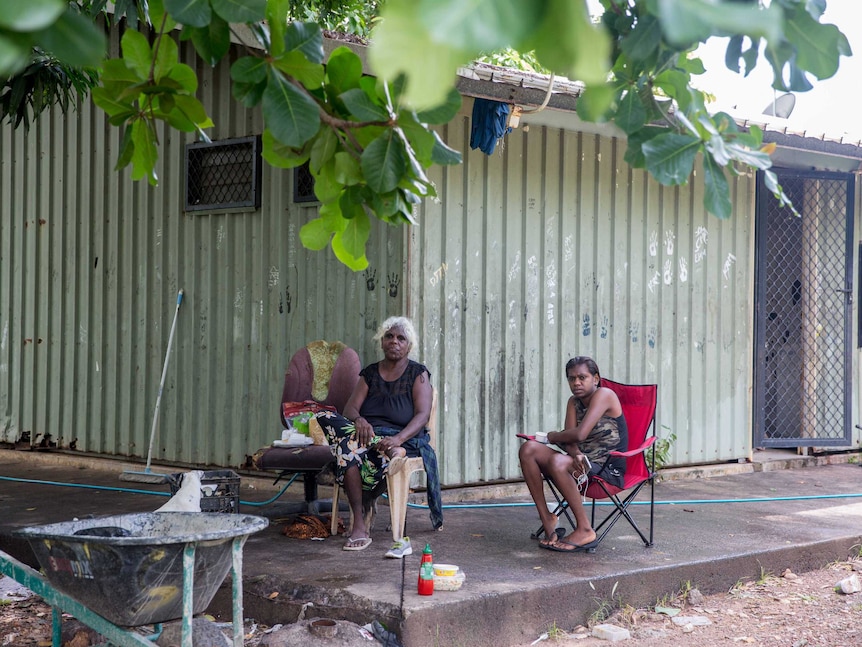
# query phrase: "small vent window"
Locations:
[[223, 175], [303, 184]]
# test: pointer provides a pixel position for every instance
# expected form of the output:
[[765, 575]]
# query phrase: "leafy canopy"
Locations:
[[370, 140]]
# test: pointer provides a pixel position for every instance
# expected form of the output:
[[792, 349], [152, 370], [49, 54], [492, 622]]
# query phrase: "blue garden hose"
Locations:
[[458, 506], [133, 491]]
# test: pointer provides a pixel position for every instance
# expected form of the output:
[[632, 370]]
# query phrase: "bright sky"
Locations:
[[833, 107]]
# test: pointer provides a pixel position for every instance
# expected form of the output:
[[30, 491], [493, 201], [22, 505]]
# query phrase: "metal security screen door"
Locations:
[[803, 299]]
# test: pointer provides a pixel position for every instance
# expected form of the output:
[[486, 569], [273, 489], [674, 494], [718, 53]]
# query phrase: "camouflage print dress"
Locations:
[[608, 435]]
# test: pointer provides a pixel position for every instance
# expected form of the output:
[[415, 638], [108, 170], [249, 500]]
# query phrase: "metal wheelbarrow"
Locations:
[[114, 573]]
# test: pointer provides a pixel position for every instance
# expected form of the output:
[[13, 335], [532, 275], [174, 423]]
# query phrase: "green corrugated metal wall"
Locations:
[[90, 265], [553, 247], [549, 248]]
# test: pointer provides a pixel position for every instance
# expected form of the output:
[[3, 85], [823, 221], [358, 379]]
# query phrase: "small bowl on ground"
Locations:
[[324, 628], [445, 570], [449, 583]]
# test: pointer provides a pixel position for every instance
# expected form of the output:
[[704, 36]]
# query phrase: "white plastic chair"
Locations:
[[397, 486]]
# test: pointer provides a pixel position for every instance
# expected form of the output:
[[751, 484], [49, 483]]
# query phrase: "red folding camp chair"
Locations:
[[638, 404]]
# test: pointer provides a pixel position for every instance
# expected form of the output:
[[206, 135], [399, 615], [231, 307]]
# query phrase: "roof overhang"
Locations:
[[529, 91]]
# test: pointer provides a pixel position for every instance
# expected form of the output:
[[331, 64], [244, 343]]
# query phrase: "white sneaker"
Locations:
[[400, 548]]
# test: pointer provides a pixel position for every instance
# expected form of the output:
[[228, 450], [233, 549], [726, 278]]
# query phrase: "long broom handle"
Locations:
[[162, 382]]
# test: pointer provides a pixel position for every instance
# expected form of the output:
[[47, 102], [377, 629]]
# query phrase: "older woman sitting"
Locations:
[[384, 422]]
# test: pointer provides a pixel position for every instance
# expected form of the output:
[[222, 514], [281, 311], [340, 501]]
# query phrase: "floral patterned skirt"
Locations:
[[372, 465]]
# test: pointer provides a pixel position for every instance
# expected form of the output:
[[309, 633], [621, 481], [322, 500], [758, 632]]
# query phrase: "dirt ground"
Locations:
[[784, 609]]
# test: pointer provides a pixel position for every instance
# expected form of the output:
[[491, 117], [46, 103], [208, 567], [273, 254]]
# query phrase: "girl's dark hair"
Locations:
[[589, 362]]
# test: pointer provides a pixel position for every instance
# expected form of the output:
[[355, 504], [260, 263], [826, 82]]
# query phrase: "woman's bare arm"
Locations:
[[364, 430]]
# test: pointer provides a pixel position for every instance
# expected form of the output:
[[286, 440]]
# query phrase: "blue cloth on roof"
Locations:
[[489, 124]]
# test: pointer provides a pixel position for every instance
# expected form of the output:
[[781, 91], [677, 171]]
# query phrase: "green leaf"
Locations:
[[137, 52], [74, 40], [165, 103], [240, 10], [116, 70], [634, 156], [315, 234], [675, 84], [326, 187], [281, 156], [815, 43], [347, 169], [127, 149], [716, 198], [442, 154], [156, 9], [30, 15], [145, 153], [644, 41], [419, 137], [249, 69], [670, 157], [195, 13], [631, 114], [569, 43], [386, 205], [108, 101], [734, 54], [307, 38], [429, 65], [343, 70], [384, 162], [445, 112], [291, 115], [595, 102], [167, 56], [744, 155], [193, 109], [14, 55], [277, 12], [717, 150], [323, 149], [349, 244], [185, 77], [486, 25], [688, 21], [350, 203], [331, 215], [296, 65], [249, 80], [770, 180], [249, 94], [211, 42], [362, 107]]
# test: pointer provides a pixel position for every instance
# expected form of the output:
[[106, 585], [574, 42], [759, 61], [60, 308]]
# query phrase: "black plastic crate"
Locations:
[[219, 490]]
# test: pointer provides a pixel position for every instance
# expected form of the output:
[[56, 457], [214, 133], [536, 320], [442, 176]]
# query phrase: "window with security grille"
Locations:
[[303, 184], [223, 175]]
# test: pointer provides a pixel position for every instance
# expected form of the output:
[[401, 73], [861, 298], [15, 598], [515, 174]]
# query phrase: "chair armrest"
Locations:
[[649, 442]]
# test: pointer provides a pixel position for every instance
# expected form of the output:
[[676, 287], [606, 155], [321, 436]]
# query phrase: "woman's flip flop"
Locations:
[[360, 543]]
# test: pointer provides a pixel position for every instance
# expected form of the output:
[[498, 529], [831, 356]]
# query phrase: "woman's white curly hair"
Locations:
[[406, 327]]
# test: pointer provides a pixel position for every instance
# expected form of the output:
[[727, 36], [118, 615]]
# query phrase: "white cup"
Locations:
[[542, 437]]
